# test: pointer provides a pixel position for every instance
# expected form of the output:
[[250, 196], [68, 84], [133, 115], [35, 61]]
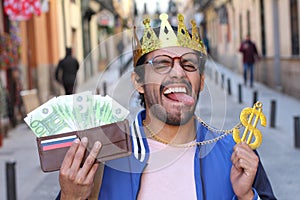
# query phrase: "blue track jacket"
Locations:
[[121, 179], [212, 165]]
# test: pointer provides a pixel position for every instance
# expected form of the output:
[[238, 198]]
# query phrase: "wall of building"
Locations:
[[44, 39], [70, 32], [285, 27], [43, 64], [226, 38], [94, 44], [34, 54], [1, 18]]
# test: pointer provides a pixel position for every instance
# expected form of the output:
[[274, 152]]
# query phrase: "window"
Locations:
[[263, 28], [241, 27], [248, 23], [294, 27], [223, 15]]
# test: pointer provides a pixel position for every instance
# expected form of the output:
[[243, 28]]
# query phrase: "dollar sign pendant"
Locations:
[[250, 112]]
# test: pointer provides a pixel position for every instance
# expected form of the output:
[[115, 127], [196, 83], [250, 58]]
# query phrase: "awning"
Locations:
[[107, 4], [22, 9]]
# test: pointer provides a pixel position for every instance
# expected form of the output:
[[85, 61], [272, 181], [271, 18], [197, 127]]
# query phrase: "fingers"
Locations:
[[243, 171], [89, 166], [77, 182], [68, 160], [75, 155], [92, 172], [244, 158], [79, 154]]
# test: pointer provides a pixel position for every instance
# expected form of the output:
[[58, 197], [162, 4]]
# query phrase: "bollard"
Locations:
[[240, 93], [1, 137], [121, 71], [209, 71], [10, 181], [1, 134], [104, 88], [98, 90], [222, 79], [229, 86], [254, 97], [216, 77], [273, 114], [297, 131]]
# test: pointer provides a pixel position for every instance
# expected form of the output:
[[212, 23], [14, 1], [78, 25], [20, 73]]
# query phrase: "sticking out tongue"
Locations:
[[182, 97]]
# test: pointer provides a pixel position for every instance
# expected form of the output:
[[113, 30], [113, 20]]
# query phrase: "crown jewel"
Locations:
[[167, 37]]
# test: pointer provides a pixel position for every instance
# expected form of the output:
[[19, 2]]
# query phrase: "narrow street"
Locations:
[[215, 107]]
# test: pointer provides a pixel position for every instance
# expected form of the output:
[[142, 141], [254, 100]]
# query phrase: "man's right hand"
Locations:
[[76, 182]]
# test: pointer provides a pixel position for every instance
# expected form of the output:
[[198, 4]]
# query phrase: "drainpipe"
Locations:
[[277, 67], [64, 21]]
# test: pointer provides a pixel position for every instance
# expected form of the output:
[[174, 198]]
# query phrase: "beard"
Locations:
[[172, 114]]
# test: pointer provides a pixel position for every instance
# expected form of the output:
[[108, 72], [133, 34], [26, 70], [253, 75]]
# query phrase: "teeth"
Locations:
[[175, 90]]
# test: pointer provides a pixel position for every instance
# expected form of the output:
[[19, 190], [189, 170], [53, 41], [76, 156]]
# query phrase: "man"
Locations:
[[175, 155], [66, 71], [249, 51]]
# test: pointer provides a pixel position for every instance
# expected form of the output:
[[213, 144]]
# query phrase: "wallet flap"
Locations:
[[115, 139]]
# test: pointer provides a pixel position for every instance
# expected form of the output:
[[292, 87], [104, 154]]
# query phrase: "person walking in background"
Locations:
[[120, 47], [66, 71], [250, 54]]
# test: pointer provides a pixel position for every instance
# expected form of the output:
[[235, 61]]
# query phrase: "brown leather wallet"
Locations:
[[115, 139]]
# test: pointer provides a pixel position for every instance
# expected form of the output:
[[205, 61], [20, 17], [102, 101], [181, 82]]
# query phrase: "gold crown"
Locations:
[[167, 37]]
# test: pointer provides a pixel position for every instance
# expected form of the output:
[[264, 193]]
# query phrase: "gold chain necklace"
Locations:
[[193, 144]]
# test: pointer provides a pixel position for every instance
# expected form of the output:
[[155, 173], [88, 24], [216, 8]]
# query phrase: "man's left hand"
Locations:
[[243, 171]]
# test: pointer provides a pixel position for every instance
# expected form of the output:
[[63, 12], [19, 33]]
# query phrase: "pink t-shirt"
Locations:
[[169, 173]]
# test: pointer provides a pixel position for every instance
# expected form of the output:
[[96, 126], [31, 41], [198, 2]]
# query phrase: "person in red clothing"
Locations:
[[250, 55]]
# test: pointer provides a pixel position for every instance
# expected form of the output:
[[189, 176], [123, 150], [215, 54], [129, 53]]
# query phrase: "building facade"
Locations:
[[32, 46], [274, 27], [44, 39]]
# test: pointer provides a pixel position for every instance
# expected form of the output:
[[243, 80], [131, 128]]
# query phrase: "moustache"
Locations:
[[170, 82]]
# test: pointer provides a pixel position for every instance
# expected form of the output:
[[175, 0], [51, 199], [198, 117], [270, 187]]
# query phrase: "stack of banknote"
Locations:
[[74, 112]]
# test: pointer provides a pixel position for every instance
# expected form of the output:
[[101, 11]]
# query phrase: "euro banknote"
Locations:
[[75, 112]]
